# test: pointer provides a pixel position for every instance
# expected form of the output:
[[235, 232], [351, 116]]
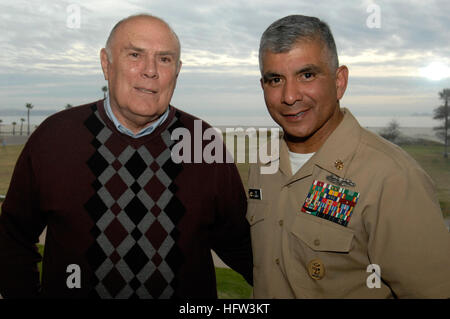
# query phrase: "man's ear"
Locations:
[[105, 62], [179, 67], [341, 81]]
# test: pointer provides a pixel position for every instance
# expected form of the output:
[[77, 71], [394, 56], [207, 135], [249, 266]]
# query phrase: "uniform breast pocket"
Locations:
[[256, 215], [318, 252], [320, 236], [256, 211]]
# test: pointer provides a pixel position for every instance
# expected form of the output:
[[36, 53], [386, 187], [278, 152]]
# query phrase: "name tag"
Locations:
[[254, 193]]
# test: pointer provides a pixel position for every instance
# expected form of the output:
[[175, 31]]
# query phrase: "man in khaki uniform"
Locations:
[[347, 214]]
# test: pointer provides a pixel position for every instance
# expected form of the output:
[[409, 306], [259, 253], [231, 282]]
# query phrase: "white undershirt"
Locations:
[[298, 160]]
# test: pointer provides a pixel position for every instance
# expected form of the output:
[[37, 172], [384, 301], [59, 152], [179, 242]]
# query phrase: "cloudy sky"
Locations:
[[398, 54]]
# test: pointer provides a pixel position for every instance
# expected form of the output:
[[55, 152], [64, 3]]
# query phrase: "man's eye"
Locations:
[[166, 59], [308, 75], [274, 81], [134, 55]]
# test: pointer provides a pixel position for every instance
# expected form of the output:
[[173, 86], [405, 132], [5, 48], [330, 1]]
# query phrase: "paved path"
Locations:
[[218, 262], [14, 139], [42, 237]]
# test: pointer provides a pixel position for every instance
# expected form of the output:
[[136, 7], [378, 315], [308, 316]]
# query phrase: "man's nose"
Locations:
[[291, 92], [150, 69]]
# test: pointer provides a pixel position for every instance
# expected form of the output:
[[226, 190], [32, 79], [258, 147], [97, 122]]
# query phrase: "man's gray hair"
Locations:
[[282, 35], [143, 15]]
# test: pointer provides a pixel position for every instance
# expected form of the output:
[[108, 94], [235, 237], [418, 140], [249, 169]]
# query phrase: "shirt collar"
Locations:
[[334, 155], [121, 128]]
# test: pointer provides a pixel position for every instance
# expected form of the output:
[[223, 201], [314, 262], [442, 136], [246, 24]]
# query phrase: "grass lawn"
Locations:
[[231, 285], [8, 158], [431, 158]]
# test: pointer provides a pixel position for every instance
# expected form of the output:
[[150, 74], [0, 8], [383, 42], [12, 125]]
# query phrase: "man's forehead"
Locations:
[[140, 29], [306, 55], [143, 22], [131, 46]]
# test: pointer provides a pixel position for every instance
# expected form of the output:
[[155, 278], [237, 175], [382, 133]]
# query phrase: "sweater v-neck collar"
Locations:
[[135, 142]]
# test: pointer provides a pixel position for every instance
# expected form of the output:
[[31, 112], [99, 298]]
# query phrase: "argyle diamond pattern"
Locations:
[[135, 212]]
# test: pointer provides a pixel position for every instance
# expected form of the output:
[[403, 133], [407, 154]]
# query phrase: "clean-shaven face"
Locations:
[[143, 71], [301, 91]]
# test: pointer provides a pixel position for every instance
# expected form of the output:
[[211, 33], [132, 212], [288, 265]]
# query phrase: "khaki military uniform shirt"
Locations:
[[395, 229]]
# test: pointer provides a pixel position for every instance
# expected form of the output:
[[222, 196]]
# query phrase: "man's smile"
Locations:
[[147, 91], [295, 116]]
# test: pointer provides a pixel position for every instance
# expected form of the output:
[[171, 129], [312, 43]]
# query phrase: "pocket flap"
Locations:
[[256, 211], [320, 236]]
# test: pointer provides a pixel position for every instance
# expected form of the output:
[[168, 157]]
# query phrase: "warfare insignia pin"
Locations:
[[340, 181], [330, 202]]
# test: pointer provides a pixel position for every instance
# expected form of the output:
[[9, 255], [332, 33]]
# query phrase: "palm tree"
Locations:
[[104, 89], [14, 127], [442, 113], [21, 124], [29, 106]]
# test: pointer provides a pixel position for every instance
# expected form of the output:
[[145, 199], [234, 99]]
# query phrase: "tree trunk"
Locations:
[[446, 126], [28, 116]]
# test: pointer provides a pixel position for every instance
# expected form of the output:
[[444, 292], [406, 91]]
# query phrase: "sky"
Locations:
[[397, 52]]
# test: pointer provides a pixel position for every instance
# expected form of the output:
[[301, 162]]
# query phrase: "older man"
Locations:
[[348, 214], [123, 219]]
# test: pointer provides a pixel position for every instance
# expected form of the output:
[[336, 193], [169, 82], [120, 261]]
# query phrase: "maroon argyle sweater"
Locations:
[[137, 224]]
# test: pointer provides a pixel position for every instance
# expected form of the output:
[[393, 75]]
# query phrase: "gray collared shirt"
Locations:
[[121, 128]]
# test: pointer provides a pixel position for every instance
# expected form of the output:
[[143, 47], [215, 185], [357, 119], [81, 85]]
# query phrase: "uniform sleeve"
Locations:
[[20, 227], [408, 238], [231, 235]]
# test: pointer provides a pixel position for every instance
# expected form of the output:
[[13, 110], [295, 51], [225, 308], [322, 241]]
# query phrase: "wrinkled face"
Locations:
[[143, 71], [301, 91]]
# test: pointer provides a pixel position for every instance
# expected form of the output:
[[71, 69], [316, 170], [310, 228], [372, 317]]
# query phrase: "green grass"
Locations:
[[431, 158], [231, 285], [8, 158], [41, 251]]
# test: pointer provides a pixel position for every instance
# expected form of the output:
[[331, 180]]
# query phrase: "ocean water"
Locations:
[[411, 126]]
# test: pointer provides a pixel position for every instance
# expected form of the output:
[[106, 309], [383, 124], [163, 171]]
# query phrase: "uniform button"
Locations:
[[317, 242], [316, 269], [277, 261], [251, 218], [280, 222]]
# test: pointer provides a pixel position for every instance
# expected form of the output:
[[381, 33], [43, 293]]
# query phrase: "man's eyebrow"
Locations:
[[309, 68], [166, 53], [134, 48], [304, 69], [269, 75]]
